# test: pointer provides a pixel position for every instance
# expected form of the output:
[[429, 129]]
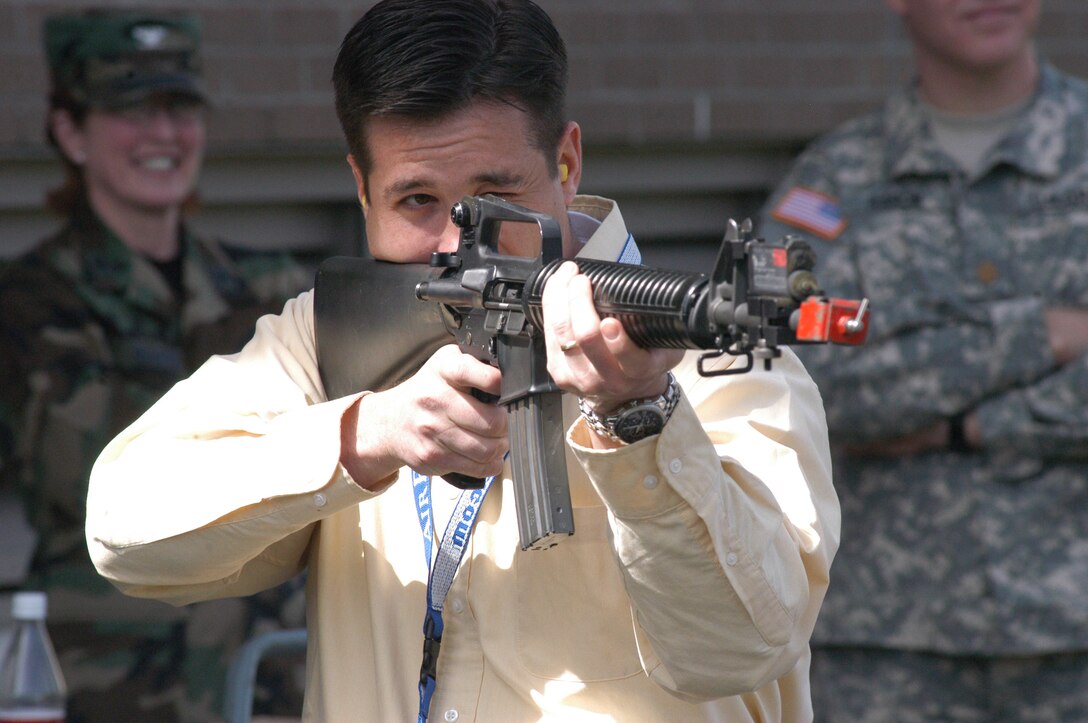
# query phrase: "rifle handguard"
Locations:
[[656, 307]]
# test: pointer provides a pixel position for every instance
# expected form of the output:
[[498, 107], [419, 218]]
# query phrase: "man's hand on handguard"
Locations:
[[430, 422], [594, 358]]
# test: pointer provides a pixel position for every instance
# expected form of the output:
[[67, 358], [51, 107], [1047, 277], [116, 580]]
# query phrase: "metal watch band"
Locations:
[[606, 425]]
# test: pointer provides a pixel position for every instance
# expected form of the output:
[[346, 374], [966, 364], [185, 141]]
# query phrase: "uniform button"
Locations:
[[320, 500], [650, 482], [731, 559], [451, 715], [457, 606], [676, 465], [987, 272]]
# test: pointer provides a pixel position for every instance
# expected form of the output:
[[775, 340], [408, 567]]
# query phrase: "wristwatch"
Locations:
[[637, 419]]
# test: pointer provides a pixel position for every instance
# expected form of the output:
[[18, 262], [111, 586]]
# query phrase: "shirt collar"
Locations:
[[1036, 144], [609, 239], [112, 267]]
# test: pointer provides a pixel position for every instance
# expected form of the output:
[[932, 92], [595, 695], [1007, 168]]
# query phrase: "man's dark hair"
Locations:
[[425, 59]]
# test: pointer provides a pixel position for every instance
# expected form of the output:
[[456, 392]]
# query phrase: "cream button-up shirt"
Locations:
[[687, 593]]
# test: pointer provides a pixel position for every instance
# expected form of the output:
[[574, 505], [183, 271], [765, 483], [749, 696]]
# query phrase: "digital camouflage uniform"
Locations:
[[959, 554], [90, 336]]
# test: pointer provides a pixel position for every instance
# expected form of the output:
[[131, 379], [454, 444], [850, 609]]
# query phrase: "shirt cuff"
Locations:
[[640, 480]]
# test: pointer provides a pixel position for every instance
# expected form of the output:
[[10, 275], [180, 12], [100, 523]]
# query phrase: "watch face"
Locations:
[[640, 423]]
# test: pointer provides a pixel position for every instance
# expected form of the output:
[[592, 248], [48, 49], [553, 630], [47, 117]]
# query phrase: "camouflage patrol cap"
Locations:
[[116, 58]]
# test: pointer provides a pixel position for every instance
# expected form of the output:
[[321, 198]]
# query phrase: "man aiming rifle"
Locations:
[[702, 550], [758, 296]]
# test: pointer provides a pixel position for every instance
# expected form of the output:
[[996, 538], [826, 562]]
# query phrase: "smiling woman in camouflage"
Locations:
[[99, 320]]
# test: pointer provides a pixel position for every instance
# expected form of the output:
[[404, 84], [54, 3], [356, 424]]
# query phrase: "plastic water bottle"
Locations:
[[31, 685]]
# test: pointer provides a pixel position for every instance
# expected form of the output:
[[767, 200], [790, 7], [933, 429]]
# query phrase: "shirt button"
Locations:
[[676, 465], [320, 500], [457, 606], [731, 559], [451, 715], [650, 482]]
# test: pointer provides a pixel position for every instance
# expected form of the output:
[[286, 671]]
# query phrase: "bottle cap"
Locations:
[[27, 605]]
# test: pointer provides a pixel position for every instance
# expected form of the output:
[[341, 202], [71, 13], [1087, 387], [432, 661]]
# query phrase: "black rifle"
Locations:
[[373, 332]]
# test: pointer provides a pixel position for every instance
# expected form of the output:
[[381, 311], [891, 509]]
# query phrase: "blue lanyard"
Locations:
[[630, 254], [451, 549]]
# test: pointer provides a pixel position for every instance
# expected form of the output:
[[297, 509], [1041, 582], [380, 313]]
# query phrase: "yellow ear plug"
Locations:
[[366, 206], [564, 172]]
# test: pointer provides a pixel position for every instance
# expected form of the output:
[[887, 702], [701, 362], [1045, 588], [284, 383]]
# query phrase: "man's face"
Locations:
[[974, 35], [420, 170]]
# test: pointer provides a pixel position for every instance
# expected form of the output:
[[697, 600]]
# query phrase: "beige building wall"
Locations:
[[691, 109]]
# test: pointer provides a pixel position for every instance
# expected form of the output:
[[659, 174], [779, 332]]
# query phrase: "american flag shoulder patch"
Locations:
[[812, 211]]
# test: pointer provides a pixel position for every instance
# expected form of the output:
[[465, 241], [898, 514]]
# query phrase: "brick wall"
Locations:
[[670, 93], [643, 71]]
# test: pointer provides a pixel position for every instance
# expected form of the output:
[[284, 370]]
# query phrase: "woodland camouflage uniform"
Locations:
[[90, 336]]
